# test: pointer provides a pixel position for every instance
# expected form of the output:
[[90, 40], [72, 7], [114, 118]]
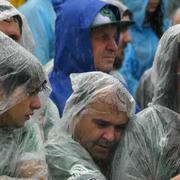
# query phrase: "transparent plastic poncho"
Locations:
[[7, 11], [159, 84], [21, 149], [66, 158], [150, 148]]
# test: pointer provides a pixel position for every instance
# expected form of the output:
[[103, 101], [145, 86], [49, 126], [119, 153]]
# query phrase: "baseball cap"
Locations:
[[108, 16]]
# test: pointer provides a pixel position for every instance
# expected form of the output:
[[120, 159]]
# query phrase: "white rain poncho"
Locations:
[[49, 112], [66, 158], [150, 149], [6, 12], [161, 78], [21, 149]]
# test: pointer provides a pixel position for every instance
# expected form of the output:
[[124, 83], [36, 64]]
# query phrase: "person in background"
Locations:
[[21, 81], [90, 44], [95, 116], [14, 24], [41, 19], [150, 148], [151, 21]]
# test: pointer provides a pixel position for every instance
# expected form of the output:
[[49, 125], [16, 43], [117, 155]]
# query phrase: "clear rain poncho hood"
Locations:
[[20, 148], [64, 155], [150, 148], [20, 73], [163, 73], [6, 11], [73, 53], [159, 84]]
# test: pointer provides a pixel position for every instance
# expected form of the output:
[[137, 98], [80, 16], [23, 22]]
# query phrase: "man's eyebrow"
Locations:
[[102, 120], [123, 125]]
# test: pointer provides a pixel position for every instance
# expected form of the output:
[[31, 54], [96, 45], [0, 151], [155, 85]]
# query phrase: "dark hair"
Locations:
[[156, 19], [19, 20]]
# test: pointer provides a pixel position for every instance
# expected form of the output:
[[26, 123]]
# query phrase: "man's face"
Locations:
[[152, 5], [11, 29], [100, 130], [104, 47], [19, 113], [124, 38]]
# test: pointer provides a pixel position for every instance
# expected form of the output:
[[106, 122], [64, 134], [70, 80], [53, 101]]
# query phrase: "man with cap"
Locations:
[[86, 40]]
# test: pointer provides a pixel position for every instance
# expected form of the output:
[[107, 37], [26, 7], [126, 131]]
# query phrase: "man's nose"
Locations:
[[35, 102], [112, 45], [110, 134]]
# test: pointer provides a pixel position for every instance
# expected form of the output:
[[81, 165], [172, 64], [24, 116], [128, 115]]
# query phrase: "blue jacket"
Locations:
[[41, 19], [139, 54], [73, 51]]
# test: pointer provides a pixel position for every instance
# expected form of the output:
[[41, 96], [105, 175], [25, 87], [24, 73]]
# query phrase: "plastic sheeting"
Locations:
[[66, 158], [22, 153], [150, 149], [144, 92], [21, 149]]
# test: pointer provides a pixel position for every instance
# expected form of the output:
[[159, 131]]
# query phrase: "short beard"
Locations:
[[105, 164]]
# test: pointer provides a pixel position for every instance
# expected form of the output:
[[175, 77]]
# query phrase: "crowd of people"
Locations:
[[89, 89]]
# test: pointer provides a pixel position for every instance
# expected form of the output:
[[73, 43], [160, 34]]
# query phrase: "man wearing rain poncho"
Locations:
[[150, 149], [14, 24], [21, 144], [95, 116]]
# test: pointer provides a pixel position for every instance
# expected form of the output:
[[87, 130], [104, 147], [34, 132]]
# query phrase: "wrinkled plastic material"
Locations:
[[162, 75], [144, 92], [66, 158], [150, 148], [22, 153], [139, 55], [7, 11], [20, 73], [21, 149]]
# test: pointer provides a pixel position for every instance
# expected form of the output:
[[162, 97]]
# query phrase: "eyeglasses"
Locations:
[[35, 91]]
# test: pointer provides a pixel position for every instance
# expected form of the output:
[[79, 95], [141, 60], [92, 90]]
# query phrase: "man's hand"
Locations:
[[32, 169]]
